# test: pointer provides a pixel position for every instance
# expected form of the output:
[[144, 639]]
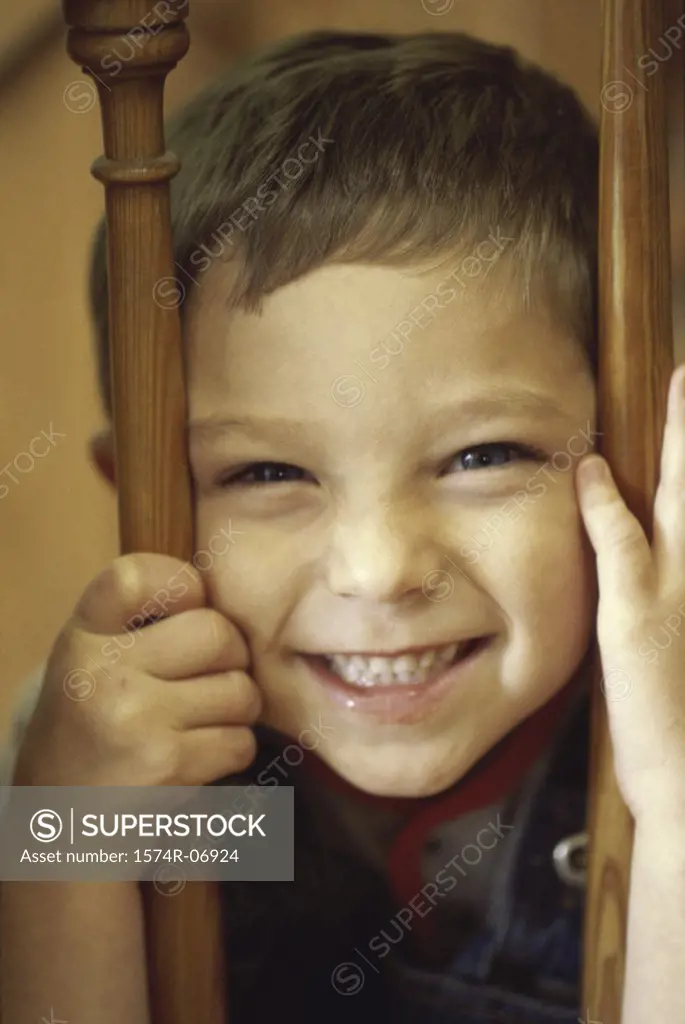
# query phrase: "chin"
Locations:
[[413, 774]]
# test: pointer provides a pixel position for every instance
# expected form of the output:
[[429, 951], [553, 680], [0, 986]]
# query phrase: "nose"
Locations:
[[382, 554]]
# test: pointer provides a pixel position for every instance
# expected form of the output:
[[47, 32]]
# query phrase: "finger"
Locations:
[[211, 753], [669, 503], [136, 587], [232, 698], [196, 642], [625, 567]]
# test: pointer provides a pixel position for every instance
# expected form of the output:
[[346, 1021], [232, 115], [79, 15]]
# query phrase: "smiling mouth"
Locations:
[[409, 669]]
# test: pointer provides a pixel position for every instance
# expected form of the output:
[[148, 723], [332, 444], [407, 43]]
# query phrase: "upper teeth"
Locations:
[[408, 668]]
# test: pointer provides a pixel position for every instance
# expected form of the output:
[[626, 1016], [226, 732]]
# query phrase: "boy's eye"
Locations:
[[259, 473], [482, 456], [493, 455]]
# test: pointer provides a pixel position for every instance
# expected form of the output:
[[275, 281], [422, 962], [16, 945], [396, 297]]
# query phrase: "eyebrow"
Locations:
[[479, 408], [211, 427], [503, 402]]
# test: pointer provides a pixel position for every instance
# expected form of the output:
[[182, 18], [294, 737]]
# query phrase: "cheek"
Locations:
[[539, 570], [250, 580]]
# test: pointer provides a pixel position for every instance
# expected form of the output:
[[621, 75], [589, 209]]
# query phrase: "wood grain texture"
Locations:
[[675, 78], [636, 360], [128, 47]]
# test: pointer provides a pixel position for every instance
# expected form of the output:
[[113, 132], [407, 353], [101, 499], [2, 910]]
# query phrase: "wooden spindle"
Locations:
[[635, 363], [674, 69], [128, 47]]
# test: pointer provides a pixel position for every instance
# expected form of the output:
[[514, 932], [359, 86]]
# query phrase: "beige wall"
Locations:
[[57, 524]]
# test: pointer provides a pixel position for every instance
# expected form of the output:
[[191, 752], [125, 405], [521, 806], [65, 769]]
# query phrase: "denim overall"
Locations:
[[284, 940], [525, 968]]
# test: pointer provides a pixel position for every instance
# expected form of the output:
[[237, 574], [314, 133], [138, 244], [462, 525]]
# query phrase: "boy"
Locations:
[[387, 254]]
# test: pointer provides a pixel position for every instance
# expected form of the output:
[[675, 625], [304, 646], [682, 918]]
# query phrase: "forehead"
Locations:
[[397, 335]]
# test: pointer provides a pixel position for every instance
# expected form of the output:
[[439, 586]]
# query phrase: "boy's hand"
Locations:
[[641, 590], [171, 703]]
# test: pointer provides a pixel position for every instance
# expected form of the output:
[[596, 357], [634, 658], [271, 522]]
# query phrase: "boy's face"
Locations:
[[414, 488]]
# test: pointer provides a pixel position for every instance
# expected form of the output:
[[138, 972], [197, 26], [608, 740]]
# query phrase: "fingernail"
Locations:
[[677, 391], [593, 470]]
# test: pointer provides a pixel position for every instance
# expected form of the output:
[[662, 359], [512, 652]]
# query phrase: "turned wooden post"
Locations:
[[635, 364], [127, 47]]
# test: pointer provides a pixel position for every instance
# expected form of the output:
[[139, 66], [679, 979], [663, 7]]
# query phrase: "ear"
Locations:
[[101, 448]]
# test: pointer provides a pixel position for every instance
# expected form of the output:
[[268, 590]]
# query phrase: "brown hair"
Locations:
[[406, 148]]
